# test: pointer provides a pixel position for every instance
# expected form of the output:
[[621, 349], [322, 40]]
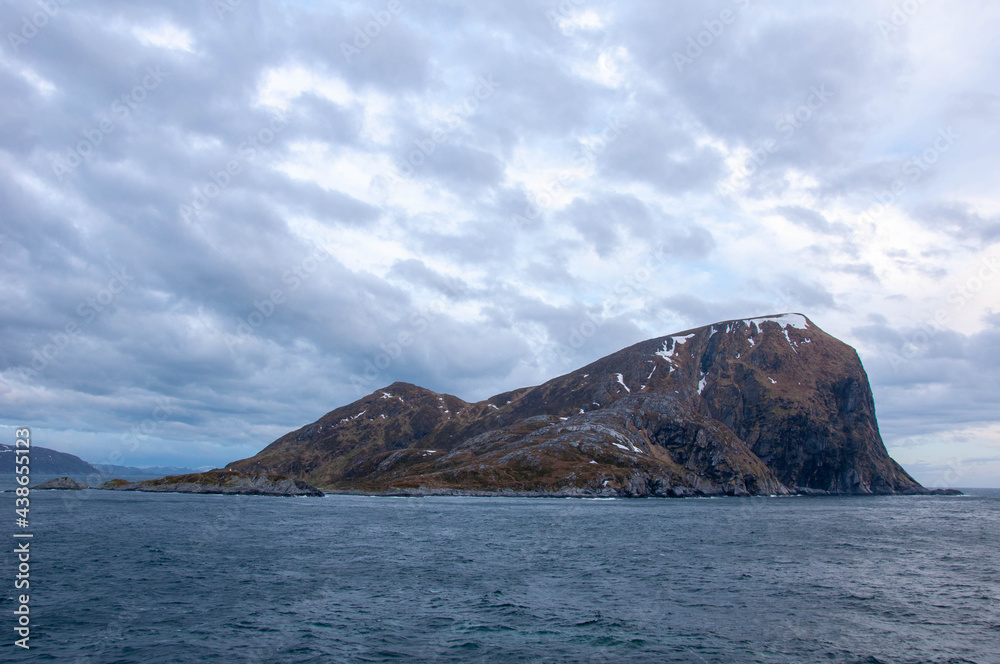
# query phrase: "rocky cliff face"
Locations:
[[769, 405]]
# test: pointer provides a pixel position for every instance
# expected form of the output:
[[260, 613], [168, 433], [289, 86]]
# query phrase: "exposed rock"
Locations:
[[221, 481], [765, 406], [60, 483]]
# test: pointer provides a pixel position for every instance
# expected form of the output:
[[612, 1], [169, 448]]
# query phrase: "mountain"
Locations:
[[154, 471], [769, 405], [46, 462]]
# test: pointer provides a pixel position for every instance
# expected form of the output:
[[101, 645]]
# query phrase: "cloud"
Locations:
[[250, 177]]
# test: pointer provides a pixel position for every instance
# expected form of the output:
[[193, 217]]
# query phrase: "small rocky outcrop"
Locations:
[[60, 483], [222, 482]]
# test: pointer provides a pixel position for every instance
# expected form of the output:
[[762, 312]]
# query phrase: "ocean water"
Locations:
[[131, 577]]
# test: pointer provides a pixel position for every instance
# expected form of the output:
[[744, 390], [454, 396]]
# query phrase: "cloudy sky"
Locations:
[[221, 220]]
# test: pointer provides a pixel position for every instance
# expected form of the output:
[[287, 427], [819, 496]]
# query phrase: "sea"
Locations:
[[144, 577]]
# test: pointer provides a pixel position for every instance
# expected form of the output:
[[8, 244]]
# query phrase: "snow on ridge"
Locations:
[[669, 354], [798, 321], [702, 383], [621, 380]]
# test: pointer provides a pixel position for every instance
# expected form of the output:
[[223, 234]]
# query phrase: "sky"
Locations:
[[221, 219]]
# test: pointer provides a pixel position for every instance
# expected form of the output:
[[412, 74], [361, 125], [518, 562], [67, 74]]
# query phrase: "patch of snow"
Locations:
[[400, 399], [677, 341], [591, 461], [622, 381], [359, 414], [382, 416], [807, 341], [651, 373], [596, 404], [737, 356], [489, 405], [790, 342], [386, 395], [750, 339], [702, 383], [629, 447], [773, 381], [563, 418], [581, 411], [585, 375], [606, 482]]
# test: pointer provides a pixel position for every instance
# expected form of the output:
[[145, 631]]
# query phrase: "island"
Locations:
[[220, 481], [771, 405]]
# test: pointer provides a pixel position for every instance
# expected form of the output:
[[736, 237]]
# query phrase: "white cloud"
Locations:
[[165, 35]]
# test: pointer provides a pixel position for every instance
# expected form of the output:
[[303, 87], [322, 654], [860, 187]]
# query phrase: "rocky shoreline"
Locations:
[[572, 492]]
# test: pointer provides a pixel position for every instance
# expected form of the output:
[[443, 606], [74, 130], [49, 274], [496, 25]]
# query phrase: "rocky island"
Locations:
[[63, 483], [221, 481], [763, 406]]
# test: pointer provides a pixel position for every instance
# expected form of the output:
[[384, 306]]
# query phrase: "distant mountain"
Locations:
[[155, 471], [46, 462], [769, 405]]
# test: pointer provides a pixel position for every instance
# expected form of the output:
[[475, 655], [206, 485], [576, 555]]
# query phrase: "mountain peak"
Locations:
[[770, 404]]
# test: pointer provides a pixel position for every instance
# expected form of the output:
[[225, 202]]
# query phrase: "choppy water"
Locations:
[[126, 577]]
